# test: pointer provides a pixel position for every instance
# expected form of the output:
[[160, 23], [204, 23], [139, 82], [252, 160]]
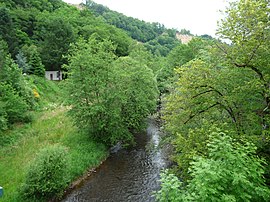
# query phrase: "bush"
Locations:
[[13, 107], [170, 190], [47, 175], [230, 172]]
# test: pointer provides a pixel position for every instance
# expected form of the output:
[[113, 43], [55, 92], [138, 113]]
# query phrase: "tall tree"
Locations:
[[246, 26], [55, 35], [90, 80], [21, 60], [110, 99], [34, 62], [227, 85], [138, 88], [8, 30]]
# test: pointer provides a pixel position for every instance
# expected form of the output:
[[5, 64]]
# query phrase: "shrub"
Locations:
[[230, 172], [47, 175], [12, 105], [170, 188]]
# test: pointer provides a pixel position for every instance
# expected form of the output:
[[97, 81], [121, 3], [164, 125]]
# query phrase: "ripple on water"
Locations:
[[128, 175]]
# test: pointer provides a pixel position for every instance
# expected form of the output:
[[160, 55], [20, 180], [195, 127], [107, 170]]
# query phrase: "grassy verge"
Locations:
[[49, 127]]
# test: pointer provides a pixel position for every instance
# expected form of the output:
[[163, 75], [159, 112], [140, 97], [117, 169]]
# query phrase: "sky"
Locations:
[[198, 16]]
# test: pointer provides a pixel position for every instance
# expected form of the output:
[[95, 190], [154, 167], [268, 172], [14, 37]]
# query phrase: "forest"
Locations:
[[212, 97]]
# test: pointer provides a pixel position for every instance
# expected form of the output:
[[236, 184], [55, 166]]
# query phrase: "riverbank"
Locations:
[[50, 126], [130, 174], [79, 181]]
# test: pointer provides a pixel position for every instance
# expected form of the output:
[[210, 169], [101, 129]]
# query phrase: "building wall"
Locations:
[[54, 75]]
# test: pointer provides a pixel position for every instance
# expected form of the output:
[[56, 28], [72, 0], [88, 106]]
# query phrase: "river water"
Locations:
[[127, 175]]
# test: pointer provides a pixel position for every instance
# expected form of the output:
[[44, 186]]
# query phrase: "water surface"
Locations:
[[127, 175]]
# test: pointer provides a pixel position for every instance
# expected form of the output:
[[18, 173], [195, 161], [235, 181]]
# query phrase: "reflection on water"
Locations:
[[128, 175]]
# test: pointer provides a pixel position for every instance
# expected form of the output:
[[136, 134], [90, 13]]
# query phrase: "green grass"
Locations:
[[49, 127]]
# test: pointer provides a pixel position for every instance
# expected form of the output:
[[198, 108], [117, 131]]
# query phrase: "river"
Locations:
[[127, 175]]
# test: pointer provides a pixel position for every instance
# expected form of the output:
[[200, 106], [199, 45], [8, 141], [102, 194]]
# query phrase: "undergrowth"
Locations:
[[51, 125]]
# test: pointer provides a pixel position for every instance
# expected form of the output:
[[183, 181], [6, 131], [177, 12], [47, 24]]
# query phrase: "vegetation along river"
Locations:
[[127, 175]]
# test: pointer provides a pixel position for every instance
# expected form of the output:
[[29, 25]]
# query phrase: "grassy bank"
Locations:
[[50, 126]]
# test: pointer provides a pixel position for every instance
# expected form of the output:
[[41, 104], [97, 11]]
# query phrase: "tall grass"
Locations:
[[49, 127]]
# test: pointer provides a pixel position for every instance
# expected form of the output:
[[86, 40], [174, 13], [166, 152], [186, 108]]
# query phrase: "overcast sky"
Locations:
[[198, 16]]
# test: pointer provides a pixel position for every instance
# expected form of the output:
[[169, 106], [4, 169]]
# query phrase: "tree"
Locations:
[[55, 36], [110, 99], [246, 26], [13, 94], [206, 95], [8, 31], [176, 58], [118, 37], [22, 62], [13, 107], [184, 31], [227, 85], [3, 53], [92, 89], [11, 74], [35, 65], [138, 88]]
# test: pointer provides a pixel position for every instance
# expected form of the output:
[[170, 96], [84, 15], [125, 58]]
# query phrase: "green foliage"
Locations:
[[230, 172], [138, 89], [3, 52], [55, 35], [8, 30], [22, 62], [137, 29], [11, 74], [162, 45], [90, 78], [13, 94], [188, 145], [118, 37], [109, 98], [35, 64], [19, 146], [47, 175], [178, 56], [247, 27], [3, 116], [170, 188], [205, 95], [13, 107], [41, 5], [184, 31], [224, 85], [156, 38], [217, 94]]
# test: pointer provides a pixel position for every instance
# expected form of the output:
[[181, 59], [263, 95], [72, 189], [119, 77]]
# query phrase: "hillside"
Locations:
[[155, 36], [210, 97]]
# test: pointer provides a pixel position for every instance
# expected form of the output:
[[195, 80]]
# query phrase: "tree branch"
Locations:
[[200, 112]]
